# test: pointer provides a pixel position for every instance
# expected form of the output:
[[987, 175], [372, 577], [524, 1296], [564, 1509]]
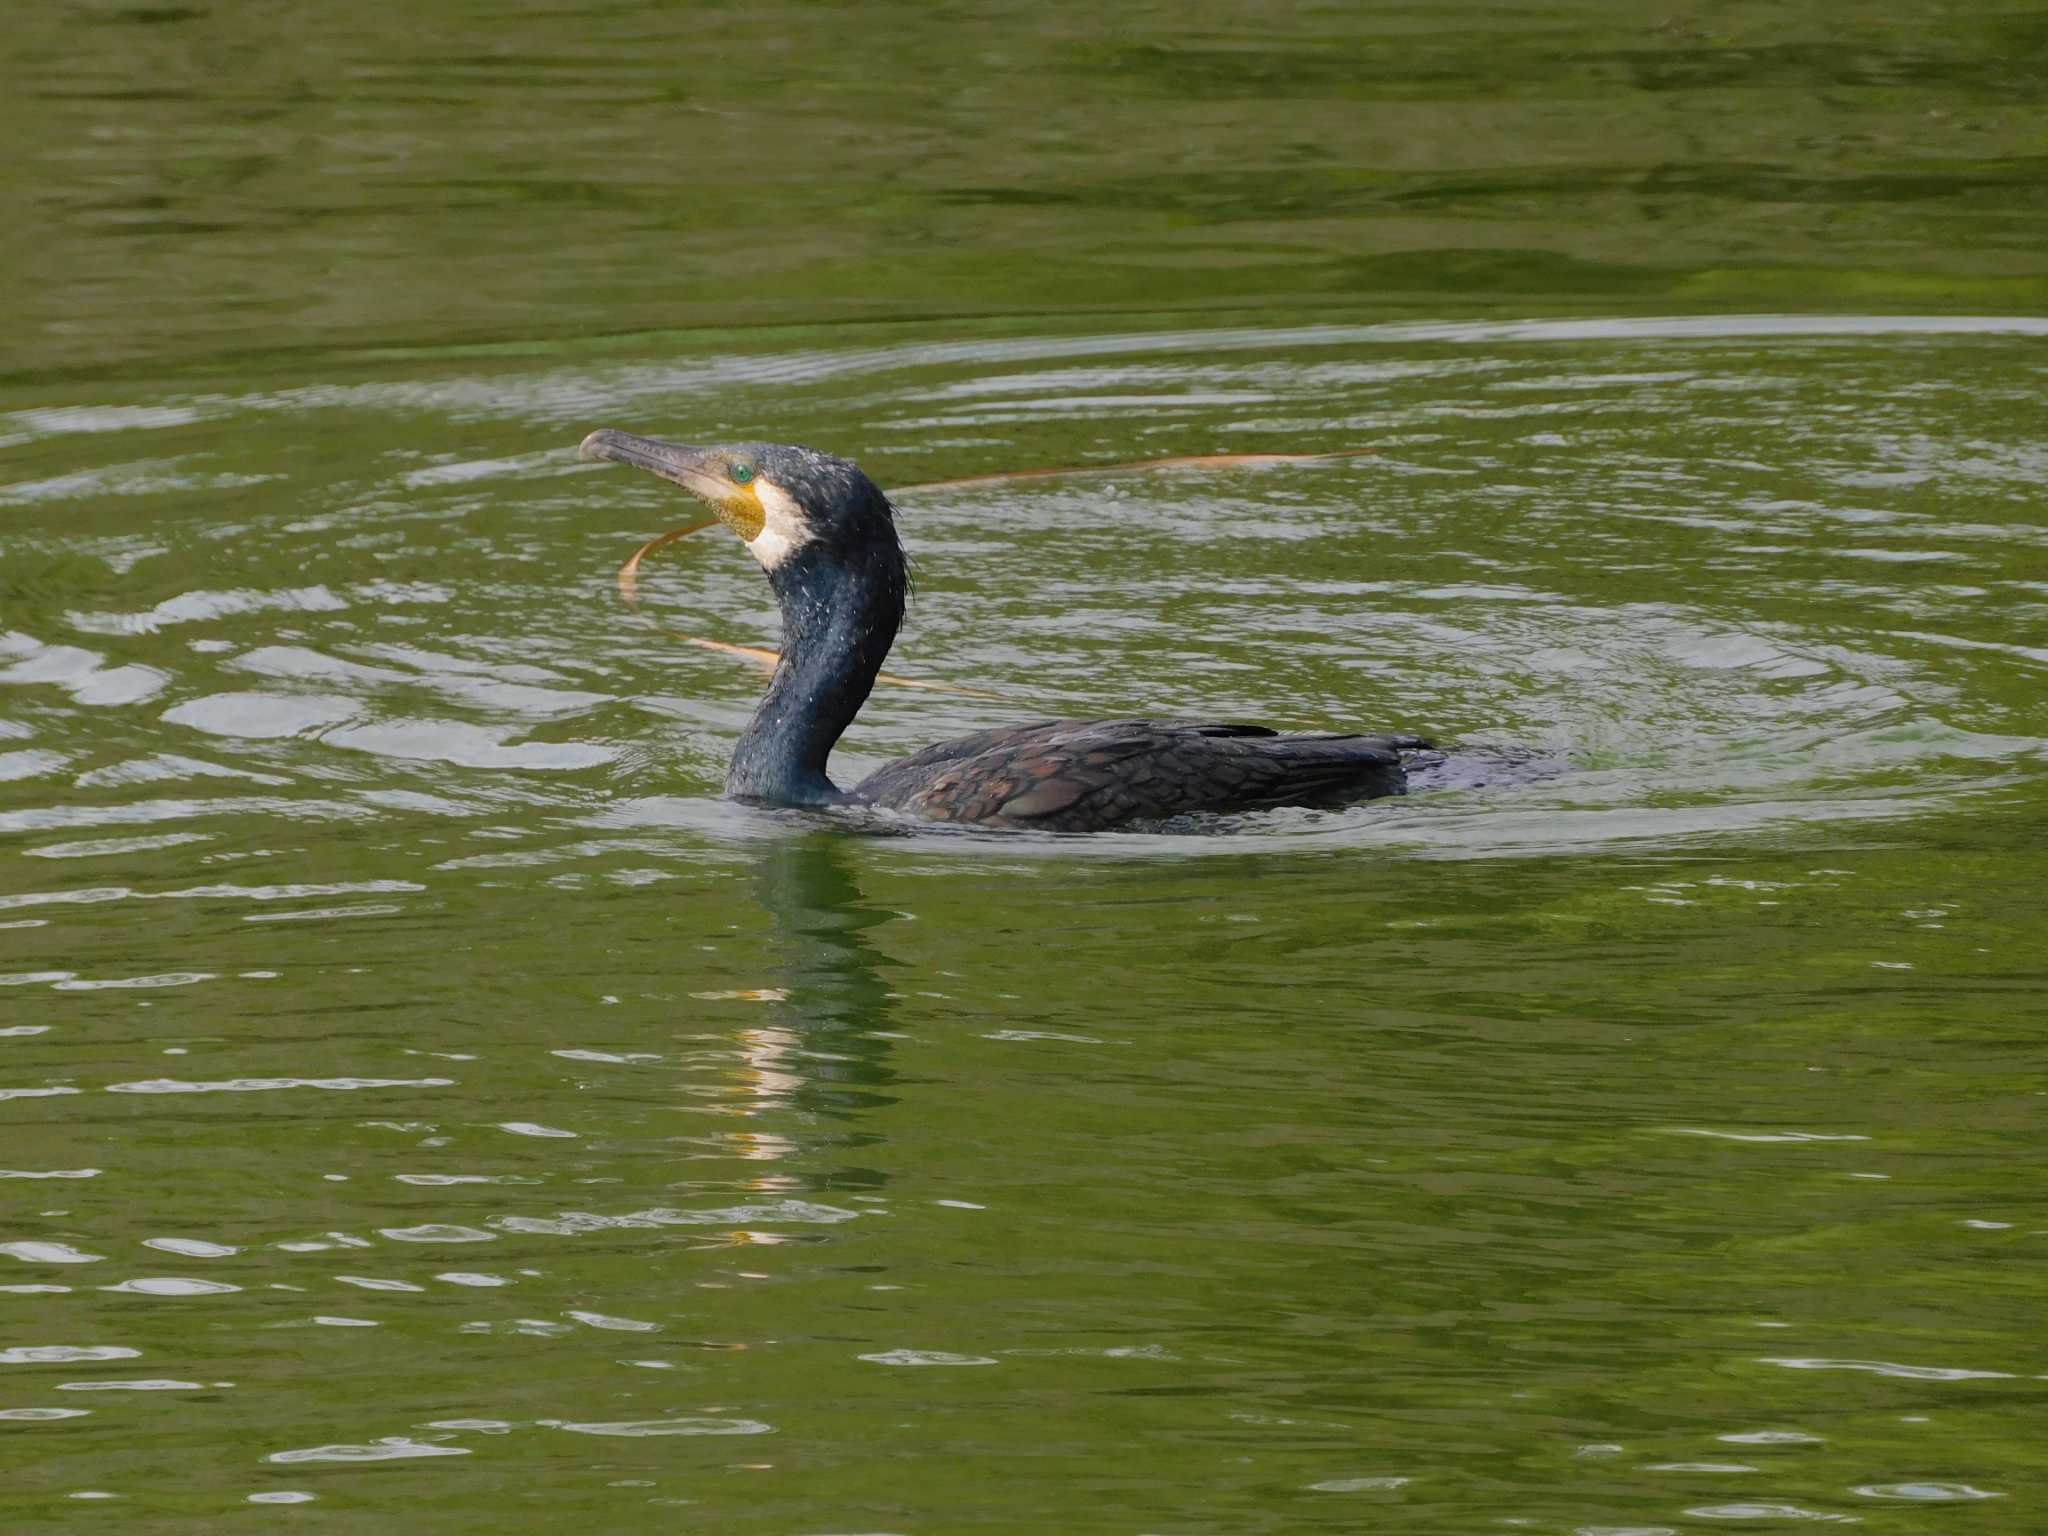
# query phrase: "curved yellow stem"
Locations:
[[629, 573], [1140, 466]]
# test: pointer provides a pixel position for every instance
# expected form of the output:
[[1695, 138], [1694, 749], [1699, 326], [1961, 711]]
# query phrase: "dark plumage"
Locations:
[[1085, 775], [826, 538]]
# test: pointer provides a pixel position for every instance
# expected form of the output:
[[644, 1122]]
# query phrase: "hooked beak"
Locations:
[[700, 471]]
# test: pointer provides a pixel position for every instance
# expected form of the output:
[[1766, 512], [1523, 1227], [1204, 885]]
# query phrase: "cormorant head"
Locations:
[[784, 502]]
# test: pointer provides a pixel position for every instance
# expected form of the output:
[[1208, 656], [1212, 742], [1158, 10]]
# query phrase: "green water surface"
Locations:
[[425, 1105]]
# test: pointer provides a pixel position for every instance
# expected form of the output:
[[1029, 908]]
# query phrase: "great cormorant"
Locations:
[[825, 535]]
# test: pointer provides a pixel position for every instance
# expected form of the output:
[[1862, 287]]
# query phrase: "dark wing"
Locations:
[[1089, 775]]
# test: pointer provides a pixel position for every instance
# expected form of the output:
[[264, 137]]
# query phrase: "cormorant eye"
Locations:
[[741, 473]]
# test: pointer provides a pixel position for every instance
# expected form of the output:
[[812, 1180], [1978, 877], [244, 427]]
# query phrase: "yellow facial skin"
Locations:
[[740, 510]]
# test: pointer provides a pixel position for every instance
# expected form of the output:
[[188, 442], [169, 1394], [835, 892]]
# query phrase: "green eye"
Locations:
[[741, 473]]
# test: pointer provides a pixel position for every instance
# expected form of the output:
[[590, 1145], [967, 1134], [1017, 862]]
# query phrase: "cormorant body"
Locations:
[[825, 536]]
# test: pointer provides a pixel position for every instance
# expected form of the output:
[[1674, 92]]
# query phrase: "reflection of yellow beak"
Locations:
[[700, 471]]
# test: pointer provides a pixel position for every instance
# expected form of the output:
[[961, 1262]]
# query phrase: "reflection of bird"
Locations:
[[826, 537], [834, 1004]]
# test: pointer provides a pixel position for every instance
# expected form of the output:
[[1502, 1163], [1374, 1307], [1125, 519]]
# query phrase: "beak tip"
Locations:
[[593, 446]]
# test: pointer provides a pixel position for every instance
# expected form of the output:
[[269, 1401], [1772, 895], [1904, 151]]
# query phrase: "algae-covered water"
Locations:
[[426, 1105]]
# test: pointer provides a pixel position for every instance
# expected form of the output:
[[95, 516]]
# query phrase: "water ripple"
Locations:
[[391, 1448], [269, 1084], [172, 1285], [37, 1354], [638, 1428], [926, 1357], [49, 1253], [1887, 1368], [50, 1173], [1763, 1511], [1925, 1493]]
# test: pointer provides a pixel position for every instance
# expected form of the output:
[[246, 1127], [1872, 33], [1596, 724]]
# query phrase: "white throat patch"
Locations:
[[785, 529]]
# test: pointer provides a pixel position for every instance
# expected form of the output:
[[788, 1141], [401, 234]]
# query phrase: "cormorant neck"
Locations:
[[840, 612]]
